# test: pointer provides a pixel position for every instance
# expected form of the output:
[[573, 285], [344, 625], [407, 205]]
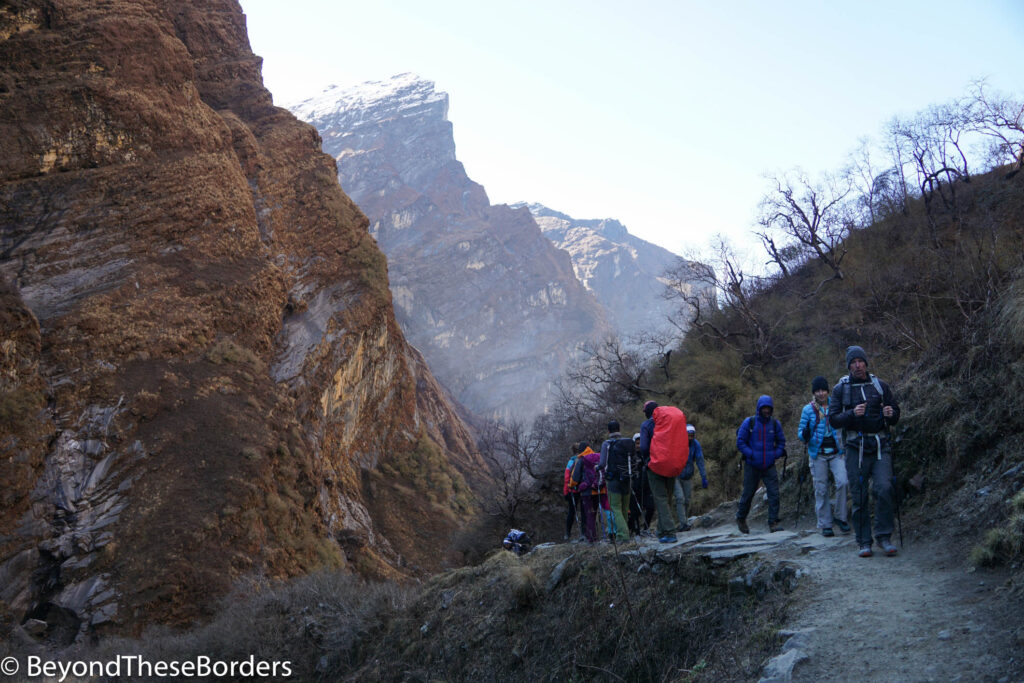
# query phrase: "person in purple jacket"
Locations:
[[761, 441]]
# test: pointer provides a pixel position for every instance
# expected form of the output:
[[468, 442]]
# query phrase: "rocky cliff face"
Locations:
[[623, 271], [495, 308], [201, 375]]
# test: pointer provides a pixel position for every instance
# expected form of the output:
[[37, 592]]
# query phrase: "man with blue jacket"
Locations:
[[825, 456], [761, 441]]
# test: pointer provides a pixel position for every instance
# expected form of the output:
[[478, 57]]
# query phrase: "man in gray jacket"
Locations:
[[864, 407]]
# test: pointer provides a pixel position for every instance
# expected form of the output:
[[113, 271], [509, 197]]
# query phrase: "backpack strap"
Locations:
[[817, 415], [845, 401]]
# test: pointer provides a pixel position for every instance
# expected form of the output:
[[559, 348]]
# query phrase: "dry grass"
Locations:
[[1004, 544], [319, 623]]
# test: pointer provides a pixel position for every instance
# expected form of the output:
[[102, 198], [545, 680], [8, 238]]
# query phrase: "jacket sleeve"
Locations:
[[568, 476], [743, 439], [780, 435], [837, 417], [605, 447], [697, 453], [646, 434], [805, 418], [889, 399]]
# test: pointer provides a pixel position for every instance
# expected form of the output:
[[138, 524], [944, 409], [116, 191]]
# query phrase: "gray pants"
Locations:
[[820, 467], [877, 468], [684, 491]]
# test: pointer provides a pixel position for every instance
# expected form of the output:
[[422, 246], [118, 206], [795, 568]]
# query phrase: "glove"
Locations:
[[703, 482]]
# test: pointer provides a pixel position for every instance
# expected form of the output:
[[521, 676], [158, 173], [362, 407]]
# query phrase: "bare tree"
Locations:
[[706, 287], [514, 454], [612, 370], [997, 116], [881, 190], [934, 140], [807, 218]]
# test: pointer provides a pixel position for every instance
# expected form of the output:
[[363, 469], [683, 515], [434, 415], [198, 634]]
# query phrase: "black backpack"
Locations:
[[621, 456]]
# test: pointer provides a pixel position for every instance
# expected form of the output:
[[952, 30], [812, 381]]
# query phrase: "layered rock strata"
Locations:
[[201, 375], [495, 308]]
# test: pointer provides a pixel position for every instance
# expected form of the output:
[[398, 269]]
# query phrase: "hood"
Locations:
[[765, 400]]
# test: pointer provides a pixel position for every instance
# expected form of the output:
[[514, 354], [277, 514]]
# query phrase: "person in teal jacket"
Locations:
[[825, 456]]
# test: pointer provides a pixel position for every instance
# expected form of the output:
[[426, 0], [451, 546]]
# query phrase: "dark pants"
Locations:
[[753, 476], [879, 470], [641, 503], [572, 512]]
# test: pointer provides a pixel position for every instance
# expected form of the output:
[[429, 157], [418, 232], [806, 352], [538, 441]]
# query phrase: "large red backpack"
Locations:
[[670, 447]]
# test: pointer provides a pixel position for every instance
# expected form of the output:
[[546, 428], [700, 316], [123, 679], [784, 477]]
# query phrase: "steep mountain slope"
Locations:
[[201, 372], [495, 308], [624, 272]]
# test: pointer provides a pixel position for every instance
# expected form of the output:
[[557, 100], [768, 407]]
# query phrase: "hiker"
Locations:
[[641, 503], [663, 437], [761, 441], [587, 478], [684, 483], [517, 542], [572, 496], [864, 407], [823, 453], [616, 461]]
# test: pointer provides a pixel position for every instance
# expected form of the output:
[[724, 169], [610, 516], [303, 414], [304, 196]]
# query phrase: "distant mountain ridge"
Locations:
[[624, 272], [495, 308]]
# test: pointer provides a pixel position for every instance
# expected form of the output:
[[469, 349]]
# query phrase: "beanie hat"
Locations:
[[855, 352], [649, 408], [636, 436], [690, 429], [819, 382], [613, 426]]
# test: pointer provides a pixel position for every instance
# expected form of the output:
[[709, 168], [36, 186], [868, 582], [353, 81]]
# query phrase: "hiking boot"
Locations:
[[684, 527], [865, 551], [888, 548], [667, 538], [827, 532], [843, 526], [742, 525], [774, 526]]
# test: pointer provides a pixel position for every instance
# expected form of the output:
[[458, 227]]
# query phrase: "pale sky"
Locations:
[[664, 115]]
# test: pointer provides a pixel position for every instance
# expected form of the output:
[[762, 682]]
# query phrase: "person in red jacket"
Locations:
[[572, 496]]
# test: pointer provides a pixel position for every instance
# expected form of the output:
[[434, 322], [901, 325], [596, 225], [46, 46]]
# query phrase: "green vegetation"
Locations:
[[426, 469]]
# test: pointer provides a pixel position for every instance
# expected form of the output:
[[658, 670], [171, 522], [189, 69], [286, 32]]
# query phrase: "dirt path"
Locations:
[[919, 616]]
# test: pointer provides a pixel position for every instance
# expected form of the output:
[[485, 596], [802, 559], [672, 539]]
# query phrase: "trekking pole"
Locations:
[[896, 494], [800, 478], [899, 521]]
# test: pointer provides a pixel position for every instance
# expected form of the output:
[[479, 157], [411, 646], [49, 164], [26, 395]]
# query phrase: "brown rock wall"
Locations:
[[198, 334]]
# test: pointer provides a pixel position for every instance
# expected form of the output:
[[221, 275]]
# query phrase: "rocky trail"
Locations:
[[923, 615]]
